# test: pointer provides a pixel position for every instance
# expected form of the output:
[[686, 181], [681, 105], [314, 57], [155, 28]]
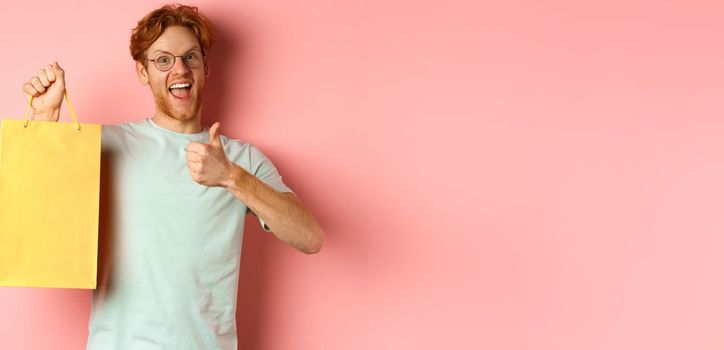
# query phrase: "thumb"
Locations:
[[214, 134], [59, 72]]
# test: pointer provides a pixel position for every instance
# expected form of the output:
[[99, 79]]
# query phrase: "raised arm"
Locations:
[[284, 213]]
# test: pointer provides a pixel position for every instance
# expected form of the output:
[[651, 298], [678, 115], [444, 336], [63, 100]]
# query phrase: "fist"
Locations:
[[207, 163], [47, 88]]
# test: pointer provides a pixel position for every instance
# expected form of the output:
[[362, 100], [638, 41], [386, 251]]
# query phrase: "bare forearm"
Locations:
[[288, 219]]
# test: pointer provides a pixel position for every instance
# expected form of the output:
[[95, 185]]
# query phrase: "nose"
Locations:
[[179, 67]]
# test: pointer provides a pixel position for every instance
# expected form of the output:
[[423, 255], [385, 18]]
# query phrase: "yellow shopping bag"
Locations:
[[49, 194]]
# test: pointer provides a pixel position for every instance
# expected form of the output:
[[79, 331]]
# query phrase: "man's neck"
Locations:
[[190, 126]]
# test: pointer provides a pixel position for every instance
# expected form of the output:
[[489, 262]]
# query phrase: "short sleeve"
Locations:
[[264, 170]]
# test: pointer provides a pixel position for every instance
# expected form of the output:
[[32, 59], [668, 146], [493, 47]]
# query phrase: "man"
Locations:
[[179, 195]]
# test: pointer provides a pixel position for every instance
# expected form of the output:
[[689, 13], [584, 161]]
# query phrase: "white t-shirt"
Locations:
[[170, 247]]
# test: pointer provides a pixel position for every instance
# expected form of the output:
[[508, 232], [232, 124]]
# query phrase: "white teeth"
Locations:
[[180, 86]]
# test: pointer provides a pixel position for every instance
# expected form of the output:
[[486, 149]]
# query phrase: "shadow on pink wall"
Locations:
[[228, 51]]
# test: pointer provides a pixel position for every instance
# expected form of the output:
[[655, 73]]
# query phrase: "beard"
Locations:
[[163, 98]]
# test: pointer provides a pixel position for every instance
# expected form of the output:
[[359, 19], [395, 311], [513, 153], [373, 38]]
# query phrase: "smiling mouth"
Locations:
[[181, 90]]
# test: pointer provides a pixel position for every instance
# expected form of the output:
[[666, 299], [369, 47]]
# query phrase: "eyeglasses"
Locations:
[[164, 61]]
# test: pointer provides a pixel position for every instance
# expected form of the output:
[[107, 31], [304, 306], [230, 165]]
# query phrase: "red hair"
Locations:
[[153, 25]]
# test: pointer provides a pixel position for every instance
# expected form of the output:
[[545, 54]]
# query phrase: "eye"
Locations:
[[191, 57], [163, 59]]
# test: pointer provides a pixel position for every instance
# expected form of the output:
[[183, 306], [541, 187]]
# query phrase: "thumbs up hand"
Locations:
[[207, 163]]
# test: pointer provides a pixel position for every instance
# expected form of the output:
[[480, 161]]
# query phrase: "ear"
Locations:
[[142, 73], [207, 69]]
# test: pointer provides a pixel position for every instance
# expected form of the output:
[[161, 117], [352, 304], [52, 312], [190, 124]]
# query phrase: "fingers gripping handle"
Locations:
[[70, 107]]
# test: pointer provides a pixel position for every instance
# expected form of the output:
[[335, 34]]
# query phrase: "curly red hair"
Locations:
[[153, 24]]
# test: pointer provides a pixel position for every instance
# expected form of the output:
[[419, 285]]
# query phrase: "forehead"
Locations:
[[176, 39]]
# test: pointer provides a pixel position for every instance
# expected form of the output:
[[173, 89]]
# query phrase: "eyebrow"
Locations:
[[195, 47]]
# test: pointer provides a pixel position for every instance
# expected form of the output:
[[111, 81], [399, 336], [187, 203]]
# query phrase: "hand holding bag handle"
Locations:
[[70, 107]]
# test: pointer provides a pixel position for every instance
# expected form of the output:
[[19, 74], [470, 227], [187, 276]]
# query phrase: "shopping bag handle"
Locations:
[[70, 107]]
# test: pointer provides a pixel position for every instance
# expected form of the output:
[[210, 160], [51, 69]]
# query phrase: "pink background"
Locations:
[[533, 175]]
